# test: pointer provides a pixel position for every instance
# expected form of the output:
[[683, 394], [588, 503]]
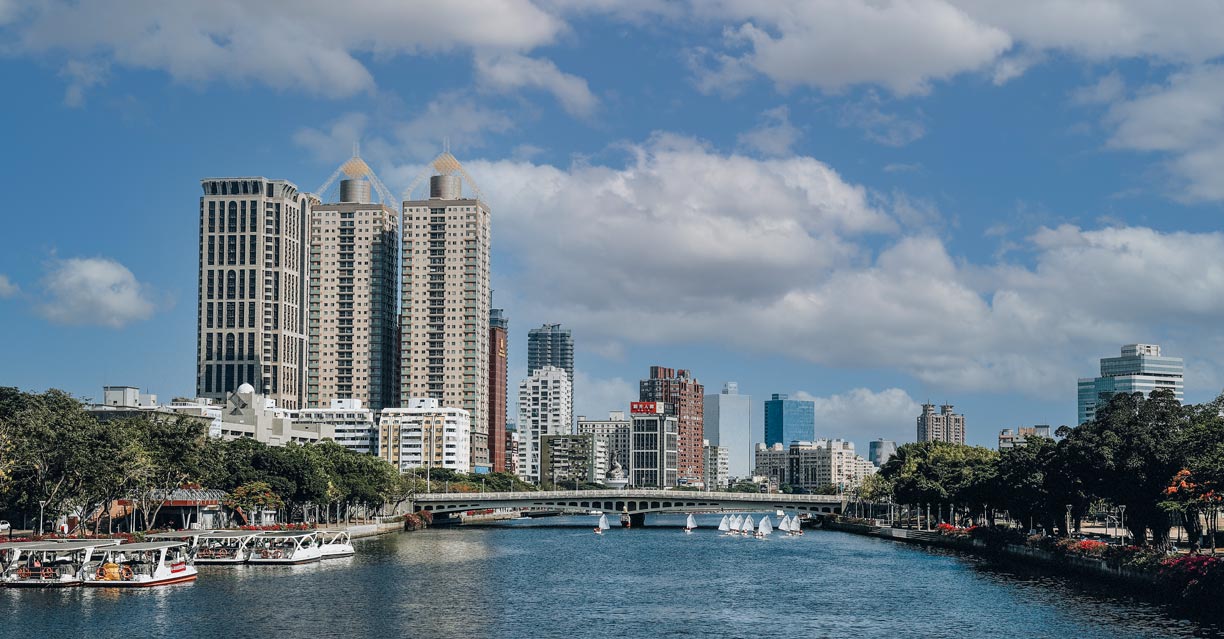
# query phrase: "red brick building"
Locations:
[[684, 396]]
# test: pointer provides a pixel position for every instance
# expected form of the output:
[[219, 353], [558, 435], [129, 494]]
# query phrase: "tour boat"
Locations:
[[690, 524], [190, 537], [602, 525], [51, 564], [142, 565], [747, 526], [11, 552], [766, 527], [724, 525], [225, 547], [285, 547], [335, 543]]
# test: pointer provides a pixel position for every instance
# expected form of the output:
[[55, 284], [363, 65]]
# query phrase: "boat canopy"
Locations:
[[289, 534], [178, 534], [147, 546], [231, 534]]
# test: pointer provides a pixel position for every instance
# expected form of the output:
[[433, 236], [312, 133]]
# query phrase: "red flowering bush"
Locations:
[[1199, 579], [1090, 547]]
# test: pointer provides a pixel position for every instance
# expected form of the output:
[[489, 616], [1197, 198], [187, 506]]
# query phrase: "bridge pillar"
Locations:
[[637, 520]]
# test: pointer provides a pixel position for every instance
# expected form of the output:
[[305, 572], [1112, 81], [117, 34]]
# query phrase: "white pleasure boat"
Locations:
[[191, 537], [335, 543], [142, 565], [51, 564], [225, 546], [285, 547]]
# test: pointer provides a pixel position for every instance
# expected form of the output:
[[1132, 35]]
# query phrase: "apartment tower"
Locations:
[[250, 327], [352, 318], [944, 426], [445, 303], [684, 396], [499, 328]]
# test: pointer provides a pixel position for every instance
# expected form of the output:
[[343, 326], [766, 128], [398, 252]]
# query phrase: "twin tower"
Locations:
[[310, 302]]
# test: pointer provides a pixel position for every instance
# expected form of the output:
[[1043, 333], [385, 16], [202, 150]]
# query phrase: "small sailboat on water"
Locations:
[[747, 526], [766, 527], [690, 524], [784, 524], [724, 526], [603, 524]]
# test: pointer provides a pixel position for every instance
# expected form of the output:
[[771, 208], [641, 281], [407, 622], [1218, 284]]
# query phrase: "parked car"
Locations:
[[4, 526]]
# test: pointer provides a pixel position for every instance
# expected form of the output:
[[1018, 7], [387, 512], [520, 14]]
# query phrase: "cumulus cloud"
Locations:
[[511, 71], [861, 414], [95, 290], [7, 287], [311, 46], [881, 126], [774, 136], [1109, 88]]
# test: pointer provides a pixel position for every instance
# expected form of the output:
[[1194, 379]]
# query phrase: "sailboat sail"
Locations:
[[748, 524], [766, 527], [691, 523], [603, 522], [784, 524], [724, 525]]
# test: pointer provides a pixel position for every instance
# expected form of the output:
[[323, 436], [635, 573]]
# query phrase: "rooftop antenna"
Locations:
[[355, 168]]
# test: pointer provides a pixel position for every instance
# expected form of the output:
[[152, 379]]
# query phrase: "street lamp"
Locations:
[[1123, 522], [41, 504], [1068, 520]]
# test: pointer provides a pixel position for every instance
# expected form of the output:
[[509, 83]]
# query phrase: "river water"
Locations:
[[544, 580]]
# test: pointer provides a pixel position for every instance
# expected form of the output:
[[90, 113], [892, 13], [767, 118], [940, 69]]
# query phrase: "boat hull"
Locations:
[[338, 552], [167, 581], [42, 583], [282, 562], [230, 560]]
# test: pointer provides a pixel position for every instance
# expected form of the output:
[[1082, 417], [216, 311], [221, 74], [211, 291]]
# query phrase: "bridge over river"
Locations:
[[636, 503]]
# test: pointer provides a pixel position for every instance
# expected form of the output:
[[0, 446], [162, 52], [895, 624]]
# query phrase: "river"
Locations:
[[544, 580]]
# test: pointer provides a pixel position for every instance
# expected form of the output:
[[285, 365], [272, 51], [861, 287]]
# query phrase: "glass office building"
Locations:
[[1140, 369], [789, 420]]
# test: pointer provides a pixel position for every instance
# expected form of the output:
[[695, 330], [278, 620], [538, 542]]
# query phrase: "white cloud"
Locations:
[[81, 76], [94, 290], [861, 414], [1183, 118], [880, 126], [774, 136], [903, 45], [508, 72], [1109, 88], [310, 45], [7, 287]]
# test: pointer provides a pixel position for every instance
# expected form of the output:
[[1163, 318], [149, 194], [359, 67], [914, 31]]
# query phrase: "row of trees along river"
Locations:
[[1162, 461], [54, 452]]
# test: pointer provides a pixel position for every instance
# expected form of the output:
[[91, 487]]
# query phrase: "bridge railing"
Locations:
[[670, 495]]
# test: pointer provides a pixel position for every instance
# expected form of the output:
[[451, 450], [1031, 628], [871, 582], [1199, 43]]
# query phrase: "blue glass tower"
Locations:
[[789, 420]]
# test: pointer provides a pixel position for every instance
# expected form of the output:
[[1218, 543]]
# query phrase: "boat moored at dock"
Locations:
[[50, 564], [142, 565], [190, 537], [285, 547], [225, 546], [335, 543]]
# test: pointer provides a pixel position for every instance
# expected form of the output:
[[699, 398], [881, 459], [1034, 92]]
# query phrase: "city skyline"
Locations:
[[874, 248]]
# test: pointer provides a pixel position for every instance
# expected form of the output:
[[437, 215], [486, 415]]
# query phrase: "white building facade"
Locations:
[[425, 434], [614, 430], [544, 402], [353, 424]]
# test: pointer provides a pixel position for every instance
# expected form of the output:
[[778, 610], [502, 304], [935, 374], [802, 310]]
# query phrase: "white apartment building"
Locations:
[[813, 466], [445, 301], [544, 402], [251, 328], [353, 424], [716, 466], [425, 434], [615, 430]]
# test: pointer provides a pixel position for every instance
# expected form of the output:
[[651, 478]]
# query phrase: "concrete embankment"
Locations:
[[1059, 562]]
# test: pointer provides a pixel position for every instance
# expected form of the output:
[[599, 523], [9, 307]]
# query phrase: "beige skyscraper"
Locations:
[[354, 345], [250, 325], [444, 314]]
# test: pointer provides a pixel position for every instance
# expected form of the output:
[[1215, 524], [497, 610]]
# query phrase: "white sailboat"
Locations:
[[796, 527], [748, 525], [766, 527], [724, 525], [690, 524], [784, 524], [603, 525]]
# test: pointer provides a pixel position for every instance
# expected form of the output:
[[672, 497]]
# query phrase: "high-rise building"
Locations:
[[944, 426], [551, 345], [499, 334], [812, 466], [352, 423], [1140, 369], [424, 434], [880, 451], [354, 342], [251, 328], [445, 304], [716, 466], [512, 449], [543, 409], [789, 420], [654, 452], [567, 460], [1009, 438], [684, 397], [727, 423], [614, 430]]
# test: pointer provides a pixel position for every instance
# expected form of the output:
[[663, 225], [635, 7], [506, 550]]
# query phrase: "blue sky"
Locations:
[[873, 204]]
